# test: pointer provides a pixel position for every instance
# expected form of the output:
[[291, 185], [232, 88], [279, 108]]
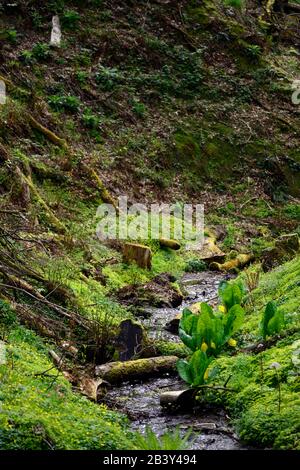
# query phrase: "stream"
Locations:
[[140, 399]]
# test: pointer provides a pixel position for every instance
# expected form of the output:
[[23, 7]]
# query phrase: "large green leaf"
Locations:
[[276, 323], [199, 362], [206, 309], [230, 294], [188, 340], [188, 321], [219, 335], [210, 330], [233, 320], [268, 314], [183, 369]]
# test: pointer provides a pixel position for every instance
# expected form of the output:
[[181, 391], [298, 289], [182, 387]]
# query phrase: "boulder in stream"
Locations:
[[173, 325], [210, 252], [157, 293], [286, 247], [129, 342]]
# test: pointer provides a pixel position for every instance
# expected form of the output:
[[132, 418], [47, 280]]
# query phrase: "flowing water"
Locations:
[[140, 399]]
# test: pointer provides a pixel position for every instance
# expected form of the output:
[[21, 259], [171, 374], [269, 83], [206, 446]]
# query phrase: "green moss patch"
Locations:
[[40, 411]]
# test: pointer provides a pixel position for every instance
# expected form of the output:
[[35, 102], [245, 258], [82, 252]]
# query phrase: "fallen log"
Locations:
[[92, 389], [168, 243], [116, 372], [210, 252], [239, 262], [53, 220], [48, 327]]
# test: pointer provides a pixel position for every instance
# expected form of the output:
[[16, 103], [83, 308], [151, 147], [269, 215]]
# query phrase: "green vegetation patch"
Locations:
[[264, 402], [40, 411]]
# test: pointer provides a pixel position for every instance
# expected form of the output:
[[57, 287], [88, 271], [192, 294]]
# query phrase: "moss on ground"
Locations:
[[281, 285], [168, 348], [39, 410]]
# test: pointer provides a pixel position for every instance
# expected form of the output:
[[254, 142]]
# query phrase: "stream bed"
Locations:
[[140, 399]]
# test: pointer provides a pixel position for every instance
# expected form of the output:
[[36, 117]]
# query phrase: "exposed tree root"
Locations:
[[293, 7], [25, 188], [43, 172], [104, 193], [53, 220], [47, 133]]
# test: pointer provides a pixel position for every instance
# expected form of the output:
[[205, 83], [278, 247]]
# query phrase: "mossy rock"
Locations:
[[170, 348], [210, 252], [286, 247], [173, 325]]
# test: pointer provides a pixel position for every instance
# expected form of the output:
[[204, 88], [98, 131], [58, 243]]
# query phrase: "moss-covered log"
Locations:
[[239, 262], [172, 244], [116, 372]]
